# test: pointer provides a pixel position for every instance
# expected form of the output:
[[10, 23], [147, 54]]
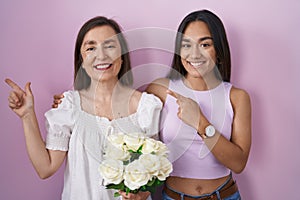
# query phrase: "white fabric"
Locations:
[[82, 135]]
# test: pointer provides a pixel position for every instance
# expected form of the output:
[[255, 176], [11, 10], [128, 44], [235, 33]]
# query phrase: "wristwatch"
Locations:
[[210, 131]]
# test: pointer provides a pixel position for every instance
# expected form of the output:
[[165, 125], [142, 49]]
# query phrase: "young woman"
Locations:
[[102, 102], [205, 121]]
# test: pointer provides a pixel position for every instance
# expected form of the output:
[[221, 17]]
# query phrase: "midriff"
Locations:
[[195, 187]]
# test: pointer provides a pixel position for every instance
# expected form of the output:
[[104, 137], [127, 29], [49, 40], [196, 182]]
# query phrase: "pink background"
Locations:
[[37, 41]]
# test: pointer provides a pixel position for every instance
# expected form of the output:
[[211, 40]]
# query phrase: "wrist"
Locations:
[[206, 129], [28, 115], [202, 125]]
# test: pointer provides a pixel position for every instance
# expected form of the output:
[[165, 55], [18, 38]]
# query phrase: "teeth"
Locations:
[[196, 64], [102, 66]]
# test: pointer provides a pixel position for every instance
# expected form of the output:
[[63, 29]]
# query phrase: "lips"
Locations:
[[196, 64], [103, 66]]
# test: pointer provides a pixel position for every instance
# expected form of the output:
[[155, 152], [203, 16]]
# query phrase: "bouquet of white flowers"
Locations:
[[134, 163]]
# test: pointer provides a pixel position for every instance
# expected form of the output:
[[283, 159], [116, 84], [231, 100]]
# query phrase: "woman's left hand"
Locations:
[[138, 196], [189, 111]]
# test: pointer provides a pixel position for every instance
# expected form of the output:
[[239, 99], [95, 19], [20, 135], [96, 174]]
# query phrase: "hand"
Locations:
[[138, 196], [189, 111], [20, 101], [57, 100]]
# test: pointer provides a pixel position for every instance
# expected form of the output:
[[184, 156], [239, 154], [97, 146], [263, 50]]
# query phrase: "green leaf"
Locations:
[[127, 190], [126, 162], [117, 194], [140, 149], [151, 182], [158, 182], [119, 186]]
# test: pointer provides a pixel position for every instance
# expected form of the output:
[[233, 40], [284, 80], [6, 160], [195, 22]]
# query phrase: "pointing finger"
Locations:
[[13, 85], [173, 94]]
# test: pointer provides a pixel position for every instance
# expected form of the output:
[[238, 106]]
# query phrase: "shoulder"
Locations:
[[70, 93], [69, 99], [239, 98], [158, 88], [151, 100], [65, 110]]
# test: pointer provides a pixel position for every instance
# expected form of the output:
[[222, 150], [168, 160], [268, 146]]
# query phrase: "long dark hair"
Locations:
[[221, 45], [81, 79]]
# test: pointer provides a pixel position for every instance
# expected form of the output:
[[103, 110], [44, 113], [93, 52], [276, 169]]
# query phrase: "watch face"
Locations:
[[210, 131]]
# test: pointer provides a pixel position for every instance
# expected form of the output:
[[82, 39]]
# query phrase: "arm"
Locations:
[[231, 153], [159, 88], [45, 162], [234, 153]]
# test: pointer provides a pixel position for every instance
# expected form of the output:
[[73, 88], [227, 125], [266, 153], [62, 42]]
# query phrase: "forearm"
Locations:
[[36, 148], [227, 153], [231, 153]]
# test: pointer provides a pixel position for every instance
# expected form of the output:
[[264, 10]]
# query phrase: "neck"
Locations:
[[202, 83], [104, 89]]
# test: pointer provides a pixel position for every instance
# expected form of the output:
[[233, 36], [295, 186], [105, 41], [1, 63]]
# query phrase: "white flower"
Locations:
[[135, 175], [154, 146], [150, 146], [125, 166], [112, 171], [162, 150], [165, 168], [133, 141], [117, 140], [151, 163], [112, 151]]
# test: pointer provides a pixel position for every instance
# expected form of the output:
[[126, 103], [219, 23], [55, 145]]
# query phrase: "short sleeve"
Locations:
[[60, 122], [149, 114]]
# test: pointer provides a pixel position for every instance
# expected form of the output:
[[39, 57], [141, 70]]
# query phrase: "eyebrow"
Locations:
[[109, 41], [89, 42], [93, 42], [200, 40]]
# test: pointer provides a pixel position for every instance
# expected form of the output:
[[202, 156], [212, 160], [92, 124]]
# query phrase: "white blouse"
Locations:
[[82, 134]]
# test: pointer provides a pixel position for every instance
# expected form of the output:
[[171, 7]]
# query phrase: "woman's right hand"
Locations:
[[20, 101], [57, 100]]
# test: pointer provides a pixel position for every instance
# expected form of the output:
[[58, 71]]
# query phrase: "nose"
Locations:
[[100, 53], [196, 51]]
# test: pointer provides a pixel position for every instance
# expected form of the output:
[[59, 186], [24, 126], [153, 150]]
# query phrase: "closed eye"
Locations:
[[186, 46], [109, 46]]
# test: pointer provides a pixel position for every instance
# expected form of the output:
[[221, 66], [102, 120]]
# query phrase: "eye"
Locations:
[[205, 45], [109, 46], [185, 46], [90, 49]]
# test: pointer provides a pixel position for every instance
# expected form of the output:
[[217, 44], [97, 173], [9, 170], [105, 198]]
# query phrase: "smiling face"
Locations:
[[101, 53], [197, 52]]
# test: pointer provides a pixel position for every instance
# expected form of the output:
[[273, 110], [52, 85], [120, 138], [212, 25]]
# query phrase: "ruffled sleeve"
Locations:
[[149, 114], [60, 122]]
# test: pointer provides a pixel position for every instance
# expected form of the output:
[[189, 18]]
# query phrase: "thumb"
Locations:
[[28, 89]]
